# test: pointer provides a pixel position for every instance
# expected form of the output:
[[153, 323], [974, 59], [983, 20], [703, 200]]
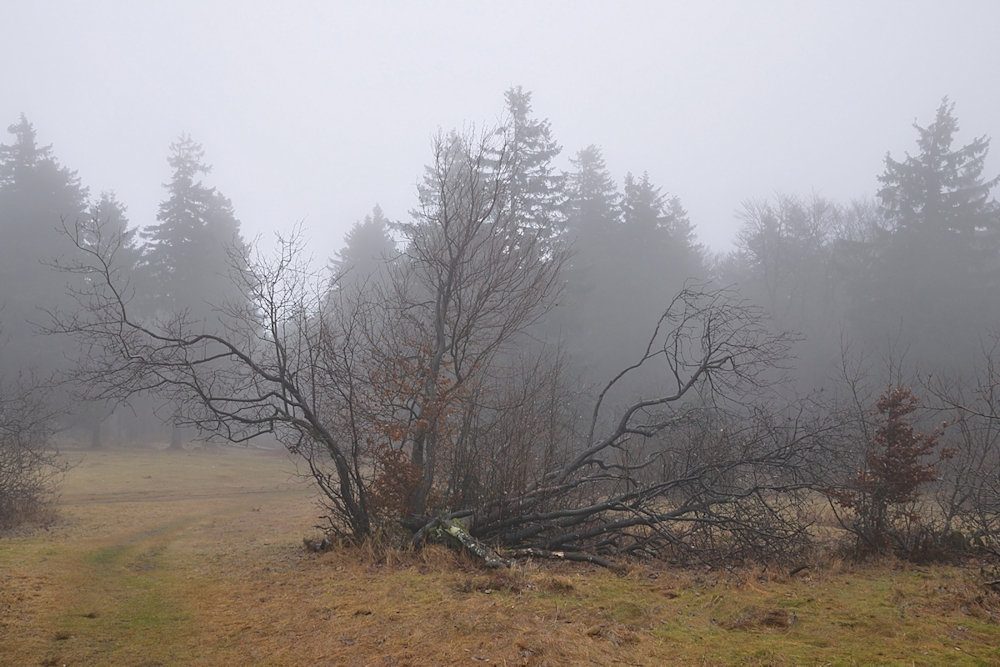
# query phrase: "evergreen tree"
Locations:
[[367, 246], [592, 223], [186, 255], [37, 195], [591, 319], [537, 190], [631, 254], [592, 198], [940, 194], [107, 216], [111, 215], [933, 282], [659, 234]]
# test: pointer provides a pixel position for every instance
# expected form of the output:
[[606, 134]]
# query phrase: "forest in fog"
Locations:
[[537, 358]]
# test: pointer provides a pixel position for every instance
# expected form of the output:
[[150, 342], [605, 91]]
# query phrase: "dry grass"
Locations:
[[196, 558]]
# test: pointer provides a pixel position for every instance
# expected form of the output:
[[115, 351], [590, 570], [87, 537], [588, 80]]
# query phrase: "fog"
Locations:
[[316, 111], [531, 275]]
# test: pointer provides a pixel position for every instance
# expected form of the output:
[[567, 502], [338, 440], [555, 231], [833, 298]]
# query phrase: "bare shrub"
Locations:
[[29, 464], [968, 498]]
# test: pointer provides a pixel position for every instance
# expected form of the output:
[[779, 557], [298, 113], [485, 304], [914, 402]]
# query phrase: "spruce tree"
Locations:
[[187, 254], [632, 252], [659, 234], [591, 319], [941, 194], [932, 283], [37, 196], [537, 189], [111, 216], [592, 197], [367, 246], [106, 221]]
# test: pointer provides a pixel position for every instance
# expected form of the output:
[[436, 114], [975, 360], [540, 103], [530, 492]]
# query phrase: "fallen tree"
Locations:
[[693, 473], [421, 399]]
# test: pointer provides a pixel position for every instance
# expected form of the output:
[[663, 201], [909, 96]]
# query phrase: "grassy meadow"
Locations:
[[195, 558]]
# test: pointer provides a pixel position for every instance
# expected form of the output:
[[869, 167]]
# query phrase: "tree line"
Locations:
[[539, 362], [179, 264]]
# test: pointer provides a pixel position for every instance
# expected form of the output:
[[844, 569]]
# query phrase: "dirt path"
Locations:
[[114, 579]]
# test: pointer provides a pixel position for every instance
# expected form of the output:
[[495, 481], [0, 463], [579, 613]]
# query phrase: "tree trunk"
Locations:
[[95, 432], [453, 533], [175, 437]]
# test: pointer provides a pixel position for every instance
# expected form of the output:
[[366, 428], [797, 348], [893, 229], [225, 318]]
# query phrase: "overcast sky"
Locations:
[[315, 111]]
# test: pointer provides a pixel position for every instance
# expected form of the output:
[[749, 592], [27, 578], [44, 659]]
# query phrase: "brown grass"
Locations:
[[196, 558]]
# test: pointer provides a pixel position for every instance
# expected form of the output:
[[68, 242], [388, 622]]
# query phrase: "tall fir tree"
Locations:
[[594, 216], [591, 317], [592, 197], [37, 196], [632, 252], [367, 246], [659, 234], [934, 280], [941, 194], [111, 216], [537, 188], [187, 254], [107, 222]]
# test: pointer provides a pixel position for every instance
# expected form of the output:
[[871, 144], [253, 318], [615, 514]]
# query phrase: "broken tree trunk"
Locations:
[[453, 532], [575, 556]]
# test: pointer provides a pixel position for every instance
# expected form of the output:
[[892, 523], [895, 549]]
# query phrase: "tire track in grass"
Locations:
[[126, 602]]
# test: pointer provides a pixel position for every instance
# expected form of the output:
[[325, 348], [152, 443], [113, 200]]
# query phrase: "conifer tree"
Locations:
[[659, 233], [592, 198], [941, 192], [185, 254], [591, 317], [932, 281], [112, 216], [367, 246], [37, 195], [106, 219], [188, 255], [537, 189], [631, 253]]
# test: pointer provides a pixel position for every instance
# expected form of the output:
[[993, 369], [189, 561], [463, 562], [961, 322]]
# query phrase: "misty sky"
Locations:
[[315, 111]]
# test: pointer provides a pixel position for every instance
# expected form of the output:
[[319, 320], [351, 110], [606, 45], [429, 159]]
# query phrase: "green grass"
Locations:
[[195, 558]]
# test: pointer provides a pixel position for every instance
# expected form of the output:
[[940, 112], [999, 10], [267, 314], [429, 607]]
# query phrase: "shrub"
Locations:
[[881, 495], [29, 465]]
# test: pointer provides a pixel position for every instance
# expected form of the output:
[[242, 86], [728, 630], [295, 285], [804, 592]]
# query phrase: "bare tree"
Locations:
[[349, 382], [706, 469], [421, 399], [472, 279], [968, 497], [258, 370]]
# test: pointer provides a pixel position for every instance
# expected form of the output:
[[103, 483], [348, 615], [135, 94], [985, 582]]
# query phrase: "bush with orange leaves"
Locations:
[[880, 497]]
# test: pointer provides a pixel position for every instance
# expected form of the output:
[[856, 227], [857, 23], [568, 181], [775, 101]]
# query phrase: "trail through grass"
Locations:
[[195, 558]]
